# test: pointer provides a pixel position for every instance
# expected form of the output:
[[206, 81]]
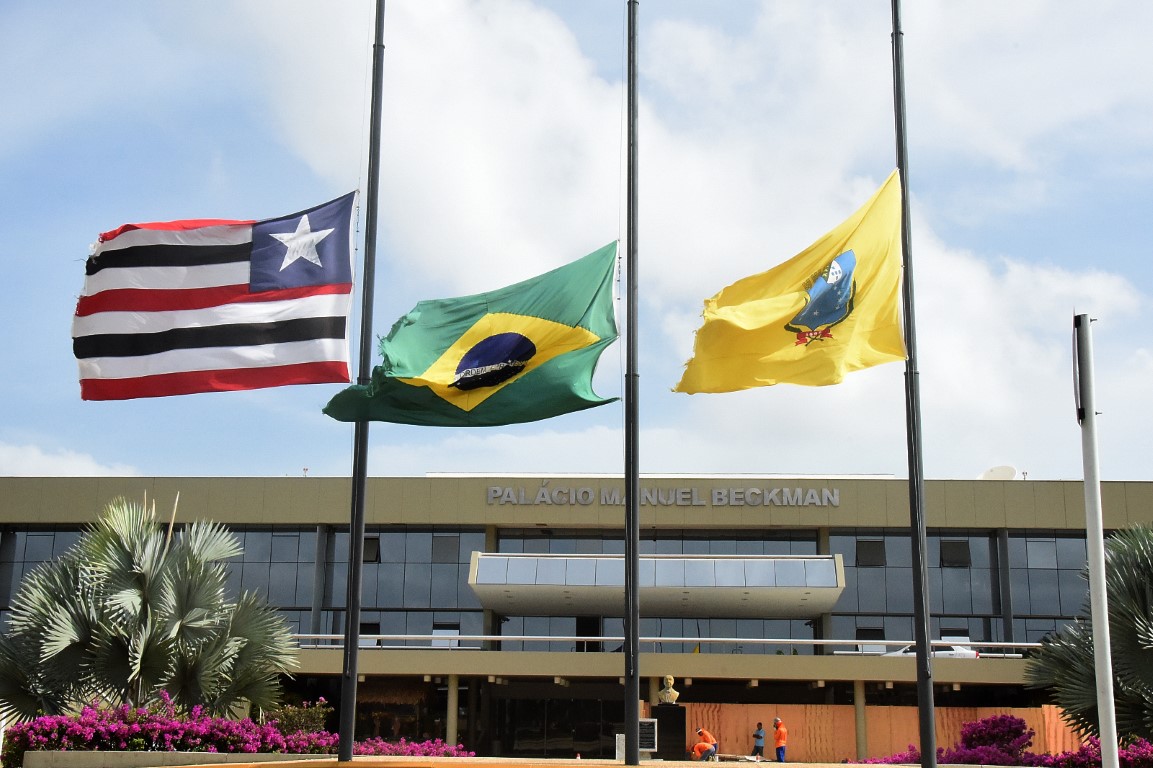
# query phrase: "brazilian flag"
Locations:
[[522, 353]]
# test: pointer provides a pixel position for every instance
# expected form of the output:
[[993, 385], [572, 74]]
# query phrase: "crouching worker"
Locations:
[[706, 748]]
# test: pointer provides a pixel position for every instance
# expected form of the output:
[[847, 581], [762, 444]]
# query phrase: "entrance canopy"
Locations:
[[704, 586]]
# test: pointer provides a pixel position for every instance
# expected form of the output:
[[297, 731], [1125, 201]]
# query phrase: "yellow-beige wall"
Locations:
[[447, 500]]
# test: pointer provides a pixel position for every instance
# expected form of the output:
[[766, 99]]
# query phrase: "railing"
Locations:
[[609, 644]]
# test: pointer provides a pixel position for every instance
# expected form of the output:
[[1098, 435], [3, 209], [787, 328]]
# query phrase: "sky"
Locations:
[[761, 126]]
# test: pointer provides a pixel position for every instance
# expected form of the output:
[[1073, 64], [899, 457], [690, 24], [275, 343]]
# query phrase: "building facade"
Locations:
[[491, 606]]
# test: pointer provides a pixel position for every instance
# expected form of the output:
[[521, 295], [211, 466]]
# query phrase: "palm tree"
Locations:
[[1065, 663], [134, 609]]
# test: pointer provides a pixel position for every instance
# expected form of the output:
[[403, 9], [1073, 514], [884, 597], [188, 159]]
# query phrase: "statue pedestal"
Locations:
[[671, 734]]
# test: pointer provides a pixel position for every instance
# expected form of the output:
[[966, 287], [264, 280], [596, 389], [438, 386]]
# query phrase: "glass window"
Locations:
[[695, 546], [445, 634], [956, 596], [840, 544], [393, 623], [1071, 553], [285, 547], [417, 591], [587, 547], [63, 541], [304, 585], [1042, 553], [257, 547], [391, 546], [338, 547], [470, 541], [982, 580], [419, 623], [955, 553], [617, 547], [981, 550], [933, 588], [750, 547], [445, 548], [899, 592], [898, 551], [1044, 593], [1074, 592], [444, 585], [1019, 590], [871, 552], [254, 578], [418, 546], [871, 589], [723, 547], [38, 548], [389, 584], [369, 585], [562, 546], [371, 549], [465, 597], [282, 585]]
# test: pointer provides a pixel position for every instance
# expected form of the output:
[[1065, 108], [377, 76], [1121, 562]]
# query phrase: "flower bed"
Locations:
[[160, 729], [1005, 740]]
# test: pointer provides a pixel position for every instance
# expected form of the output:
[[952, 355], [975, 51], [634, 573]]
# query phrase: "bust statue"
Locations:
[[668, 694]]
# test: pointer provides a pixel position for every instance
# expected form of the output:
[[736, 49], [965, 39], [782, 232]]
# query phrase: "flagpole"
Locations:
[[1095, 540], [632, 692], [349, 677], [917, 534]]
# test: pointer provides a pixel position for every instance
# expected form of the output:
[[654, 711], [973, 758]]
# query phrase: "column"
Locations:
[[451, 726], [861, 722]]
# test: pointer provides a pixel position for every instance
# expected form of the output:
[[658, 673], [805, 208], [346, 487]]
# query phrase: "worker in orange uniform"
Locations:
[[706, 748], [780, 738]]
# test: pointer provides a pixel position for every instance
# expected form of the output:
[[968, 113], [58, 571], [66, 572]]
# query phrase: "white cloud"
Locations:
[[34, 461]]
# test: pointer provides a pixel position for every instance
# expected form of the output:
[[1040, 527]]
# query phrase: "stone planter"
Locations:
[[126, 759]]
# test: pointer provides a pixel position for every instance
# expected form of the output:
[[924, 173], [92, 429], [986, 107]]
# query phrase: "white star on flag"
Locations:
[[302, 243]]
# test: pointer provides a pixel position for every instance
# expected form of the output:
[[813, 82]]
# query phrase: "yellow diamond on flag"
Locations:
[[498, 349]]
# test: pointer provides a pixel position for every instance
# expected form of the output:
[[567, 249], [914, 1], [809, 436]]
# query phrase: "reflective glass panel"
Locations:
[[730, 573], [821, 573], [790, 573], [699, 573], [551, 570], [581, 572], [610, 572], [492, 570], [521, 570]]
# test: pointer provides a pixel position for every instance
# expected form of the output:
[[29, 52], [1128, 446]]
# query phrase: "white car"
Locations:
[[940, 651]]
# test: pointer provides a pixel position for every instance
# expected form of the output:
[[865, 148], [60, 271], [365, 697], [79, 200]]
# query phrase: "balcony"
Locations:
[[702, 586]]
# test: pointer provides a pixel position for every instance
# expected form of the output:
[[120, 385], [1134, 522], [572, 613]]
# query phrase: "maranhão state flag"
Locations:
[[211, 305]]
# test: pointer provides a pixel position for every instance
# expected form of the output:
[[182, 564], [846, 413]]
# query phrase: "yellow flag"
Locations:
[[831, 309]]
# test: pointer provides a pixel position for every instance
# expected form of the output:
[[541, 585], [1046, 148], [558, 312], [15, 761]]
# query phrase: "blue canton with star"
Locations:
[[303, 249]]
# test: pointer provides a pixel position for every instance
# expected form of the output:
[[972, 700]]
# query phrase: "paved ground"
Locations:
[[485, 762]]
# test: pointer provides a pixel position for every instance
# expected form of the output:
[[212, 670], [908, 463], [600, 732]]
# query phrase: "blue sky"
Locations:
[[762, 125]]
